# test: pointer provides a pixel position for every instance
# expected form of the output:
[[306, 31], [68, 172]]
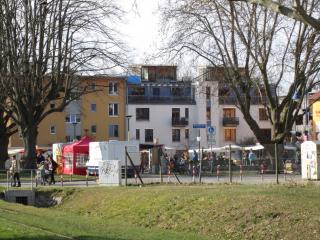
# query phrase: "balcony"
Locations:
[[179, 122], [161, 100], [230, 100], [230, 121]]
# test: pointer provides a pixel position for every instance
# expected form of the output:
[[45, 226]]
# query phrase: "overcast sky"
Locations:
[[141, 27]]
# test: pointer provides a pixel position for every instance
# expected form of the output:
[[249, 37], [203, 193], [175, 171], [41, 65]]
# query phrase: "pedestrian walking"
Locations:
[[15, 171], [52, 166]]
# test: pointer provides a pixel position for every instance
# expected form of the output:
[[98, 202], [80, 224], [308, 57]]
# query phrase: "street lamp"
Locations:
[[128, 124], [74, 130]]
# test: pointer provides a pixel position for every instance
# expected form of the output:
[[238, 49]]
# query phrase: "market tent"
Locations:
[[75, 156], [254, 147]]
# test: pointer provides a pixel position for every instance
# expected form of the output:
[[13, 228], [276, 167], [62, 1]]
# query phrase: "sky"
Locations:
[[141, 27]]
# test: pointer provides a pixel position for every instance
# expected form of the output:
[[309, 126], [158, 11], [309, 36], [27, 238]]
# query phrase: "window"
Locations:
[[186, 133], [73, 118], [137, 134], [148, 135], [93, 129], [267, 135], [229, 112], [113, 130], [156, 91], [175, 135], [92, 86], [208, 93], [176, 92], [263, 116], [52, 105], [93, 107], [113, 109], [208, 114], [68, 160], [52, 130], [230, 134], [186, 113], [176, 114], [113, 88], [142, 114], [81, 159], [137, 91]]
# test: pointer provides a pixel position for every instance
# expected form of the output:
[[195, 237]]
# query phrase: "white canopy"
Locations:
[[254, 147]]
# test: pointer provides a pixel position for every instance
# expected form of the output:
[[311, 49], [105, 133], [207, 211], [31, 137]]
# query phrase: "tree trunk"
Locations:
[[30, 141], [4, 141]]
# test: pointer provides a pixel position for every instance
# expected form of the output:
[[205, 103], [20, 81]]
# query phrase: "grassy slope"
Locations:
[[175, 212]]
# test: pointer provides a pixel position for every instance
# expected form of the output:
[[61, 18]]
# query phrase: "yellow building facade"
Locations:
[[101, 115]]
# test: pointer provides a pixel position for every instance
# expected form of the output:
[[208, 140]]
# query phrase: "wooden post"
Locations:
[[276, 161], [125, 167], [31, 180], [160, 165], [230, 170]]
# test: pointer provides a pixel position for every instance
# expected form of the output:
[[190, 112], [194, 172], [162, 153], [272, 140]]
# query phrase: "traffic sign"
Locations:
[[212, 130], [199, 125]]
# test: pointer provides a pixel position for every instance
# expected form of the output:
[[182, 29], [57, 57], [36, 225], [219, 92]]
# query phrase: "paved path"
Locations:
[[147, 179]]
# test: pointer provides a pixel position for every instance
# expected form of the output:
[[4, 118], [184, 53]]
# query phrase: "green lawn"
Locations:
[[170, 212]]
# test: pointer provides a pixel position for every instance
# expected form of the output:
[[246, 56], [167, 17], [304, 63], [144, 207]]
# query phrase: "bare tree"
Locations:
[[258, 49], [304, 11], [45, 46], [7, 128]]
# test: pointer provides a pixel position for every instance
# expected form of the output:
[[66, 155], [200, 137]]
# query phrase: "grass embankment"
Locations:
[[171, 212]]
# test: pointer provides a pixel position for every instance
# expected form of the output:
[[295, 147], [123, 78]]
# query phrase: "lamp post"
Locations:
[[128, 125], [199, 158], [74, 130]]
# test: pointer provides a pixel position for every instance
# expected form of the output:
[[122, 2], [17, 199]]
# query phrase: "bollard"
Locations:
[[169, 175], [61, 179], [285, 174], [241, 172], [262, 172], [136, 176], [31, 180], [87, 175], [218, 172], [194, 174]]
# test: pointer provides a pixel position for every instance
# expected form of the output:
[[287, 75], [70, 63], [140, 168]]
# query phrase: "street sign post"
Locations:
[[212, 130], [199, 125]]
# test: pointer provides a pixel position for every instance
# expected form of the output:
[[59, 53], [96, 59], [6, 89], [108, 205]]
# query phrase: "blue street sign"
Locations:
[[212, 130], [199, 125]]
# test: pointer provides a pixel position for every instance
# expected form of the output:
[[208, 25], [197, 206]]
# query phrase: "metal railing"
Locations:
[[161, 99]]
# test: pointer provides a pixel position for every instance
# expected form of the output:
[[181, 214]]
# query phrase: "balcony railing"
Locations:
[[230, 121], [179, 122], [229, 100], [160, 99]]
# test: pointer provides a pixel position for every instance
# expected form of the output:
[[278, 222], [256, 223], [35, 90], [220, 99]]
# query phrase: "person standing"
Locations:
[[251, 157], [52, 166], [15, 171]]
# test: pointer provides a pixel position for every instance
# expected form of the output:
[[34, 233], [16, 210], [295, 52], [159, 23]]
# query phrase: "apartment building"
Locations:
[[162, 108], [217, 107], [99, 114]]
